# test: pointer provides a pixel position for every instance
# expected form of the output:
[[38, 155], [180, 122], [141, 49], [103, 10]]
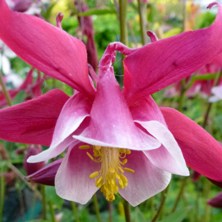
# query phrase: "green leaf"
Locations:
[[172, 32], [20, 97], [205, 77]]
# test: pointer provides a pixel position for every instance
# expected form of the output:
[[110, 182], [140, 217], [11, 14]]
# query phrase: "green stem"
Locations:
[[182, 95], [206, 116], [207, 188], [161, 206], [180, 194], [51, 211], [141, 19], [127, 211], [209, 106], [2, 193], [44, 205], [197, 207], [184, 15], [75, 212], [5, 91], [151, 208], [122, 19], [110, 206], [22, 178], [96, 206], [183, 82]]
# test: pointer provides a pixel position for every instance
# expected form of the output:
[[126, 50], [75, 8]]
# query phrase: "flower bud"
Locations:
[[46, 175], [216, 201], [32, 167]]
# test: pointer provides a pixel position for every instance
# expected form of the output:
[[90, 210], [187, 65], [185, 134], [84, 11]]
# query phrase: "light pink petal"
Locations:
[[200, 150], [75, 110], [111, 122], [45, 47], [32, 121], [147, 181], [72, 180], [217, 94], [169, 156], [166, 61]]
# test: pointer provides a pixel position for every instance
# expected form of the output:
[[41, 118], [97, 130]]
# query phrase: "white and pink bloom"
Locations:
[[32, 7], [216, 94], [116, 138]]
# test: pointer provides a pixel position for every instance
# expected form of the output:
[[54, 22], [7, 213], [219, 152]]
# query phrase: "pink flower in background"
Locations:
[[31, 86], [86, 27], [116, 139], [28, 6], [202, 87], [20, 5]]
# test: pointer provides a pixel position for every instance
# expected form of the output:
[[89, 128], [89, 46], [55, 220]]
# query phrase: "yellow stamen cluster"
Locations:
[[110, 178]]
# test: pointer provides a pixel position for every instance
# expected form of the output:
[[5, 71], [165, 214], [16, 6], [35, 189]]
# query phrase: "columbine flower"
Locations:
[[217, 94], [117, 139]]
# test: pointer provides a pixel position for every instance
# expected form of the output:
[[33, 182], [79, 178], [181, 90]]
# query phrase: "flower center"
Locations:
[[110, 178]]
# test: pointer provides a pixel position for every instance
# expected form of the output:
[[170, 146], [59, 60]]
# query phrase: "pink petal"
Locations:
[[32, 121], [146, 109], [200, 150], [111, 122], [167, 61], [72, 180], [45, 47], [75, 110], [147, 181], [169, 156]]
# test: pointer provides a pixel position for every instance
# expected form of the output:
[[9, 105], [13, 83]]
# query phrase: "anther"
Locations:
[[129, 170], [90, 156], [84, 147], [94, 174]]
